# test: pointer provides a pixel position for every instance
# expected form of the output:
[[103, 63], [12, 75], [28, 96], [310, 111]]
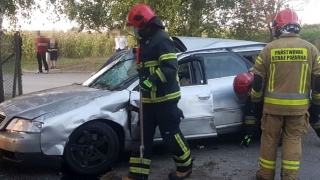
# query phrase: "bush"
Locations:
[[6, 45], [311, 35]]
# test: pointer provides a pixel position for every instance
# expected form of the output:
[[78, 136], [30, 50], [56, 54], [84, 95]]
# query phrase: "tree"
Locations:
[[247, 18], [270, 8], [183, 17], [193, 18], [89, 14], [11, 9]]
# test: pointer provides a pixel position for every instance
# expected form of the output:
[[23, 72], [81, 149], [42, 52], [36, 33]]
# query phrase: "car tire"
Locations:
[[92, 148]]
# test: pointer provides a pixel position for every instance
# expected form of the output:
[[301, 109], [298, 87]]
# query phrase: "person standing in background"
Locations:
[[20, 47], [120, 42], [41, 49], [20, 42], [53, 50]]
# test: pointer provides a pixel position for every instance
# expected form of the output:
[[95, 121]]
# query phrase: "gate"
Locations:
[[10, 66]]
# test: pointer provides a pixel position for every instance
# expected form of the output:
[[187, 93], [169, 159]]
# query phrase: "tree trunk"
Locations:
[[1, 19]]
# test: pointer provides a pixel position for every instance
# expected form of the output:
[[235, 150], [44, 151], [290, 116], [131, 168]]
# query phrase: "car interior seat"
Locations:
[[184, 69], [197, 72]]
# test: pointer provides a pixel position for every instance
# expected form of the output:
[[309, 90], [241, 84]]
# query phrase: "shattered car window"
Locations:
[[117, 74]]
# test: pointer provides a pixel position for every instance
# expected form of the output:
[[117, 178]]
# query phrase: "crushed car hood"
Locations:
[[35, 104]]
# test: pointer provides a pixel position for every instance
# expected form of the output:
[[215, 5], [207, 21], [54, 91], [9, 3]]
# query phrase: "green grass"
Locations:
[[86, 65]]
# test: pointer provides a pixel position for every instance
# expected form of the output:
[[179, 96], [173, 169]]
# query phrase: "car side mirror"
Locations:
[[93, 73]]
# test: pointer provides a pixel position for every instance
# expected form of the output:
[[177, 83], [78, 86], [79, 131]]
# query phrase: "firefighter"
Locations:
[[285, 72], [159, 84], [242, 86]]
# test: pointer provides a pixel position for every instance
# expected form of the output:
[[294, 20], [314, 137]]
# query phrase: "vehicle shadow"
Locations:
[[11, 171], [231, 140]]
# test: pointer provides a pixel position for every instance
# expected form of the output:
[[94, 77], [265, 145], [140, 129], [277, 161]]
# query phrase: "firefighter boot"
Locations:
[[257, 177], [125, 178], [180, 175]]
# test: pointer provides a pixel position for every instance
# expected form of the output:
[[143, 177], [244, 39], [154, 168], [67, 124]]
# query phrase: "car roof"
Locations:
[[199, 43]]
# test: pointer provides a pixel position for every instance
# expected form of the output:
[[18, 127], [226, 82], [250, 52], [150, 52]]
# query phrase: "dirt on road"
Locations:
[[222, 159]]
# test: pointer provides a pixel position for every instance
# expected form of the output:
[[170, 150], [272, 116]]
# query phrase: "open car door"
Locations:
[[196, 101]]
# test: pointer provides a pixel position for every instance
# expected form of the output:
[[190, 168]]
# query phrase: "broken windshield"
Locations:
[[125, 68]]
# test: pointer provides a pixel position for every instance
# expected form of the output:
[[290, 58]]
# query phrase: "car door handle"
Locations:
[[203, 96]]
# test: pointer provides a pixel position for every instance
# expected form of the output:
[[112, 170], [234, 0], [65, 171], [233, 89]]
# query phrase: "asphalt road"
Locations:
[[219, 159], [32, 82]]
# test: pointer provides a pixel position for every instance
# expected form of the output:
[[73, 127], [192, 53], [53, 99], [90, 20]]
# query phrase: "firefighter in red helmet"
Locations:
[[159, 84], [285, 73], [242, 86]]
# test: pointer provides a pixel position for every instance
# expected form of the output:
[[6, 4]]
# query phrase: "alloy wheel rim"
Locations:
[[90, 149]]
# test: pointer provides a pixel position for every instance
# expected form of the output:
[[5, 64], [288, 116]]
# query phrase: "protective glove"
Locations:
[[246, 141], [145, 85], [256, 109]]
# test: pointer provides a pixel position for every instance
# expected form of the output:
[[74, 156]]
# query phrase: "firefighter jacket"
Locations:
[[158, 63], [288, 69]]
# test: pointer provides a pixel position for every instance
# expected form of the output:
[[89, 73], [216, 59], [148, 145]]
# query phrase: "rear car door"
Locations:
[[221, 68]]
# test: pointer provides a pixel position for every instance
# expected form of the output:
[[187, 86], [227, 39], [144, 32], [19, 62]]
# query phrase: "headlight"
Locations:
[[24, 125]]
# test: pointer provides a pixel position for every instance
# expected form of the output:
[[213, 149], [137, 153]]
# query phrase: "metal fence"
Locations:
[[10, 66]]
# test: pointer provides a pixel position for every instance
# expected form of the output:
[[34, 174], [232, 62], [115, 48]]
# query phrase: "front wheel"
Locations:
[[92, 148]]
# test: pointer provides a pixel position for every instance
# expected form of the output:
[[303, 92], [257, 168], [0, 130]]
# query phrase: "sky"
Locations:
[[309, 15]]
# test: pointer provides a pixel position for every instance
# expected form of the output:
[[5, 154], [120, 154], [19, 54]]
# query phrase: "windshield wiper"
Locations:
[[122, 85]]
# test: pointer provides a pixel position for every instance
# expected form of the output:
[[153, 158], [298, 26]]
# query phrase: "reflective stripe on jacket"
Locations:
[[158, 63], [288, 67]]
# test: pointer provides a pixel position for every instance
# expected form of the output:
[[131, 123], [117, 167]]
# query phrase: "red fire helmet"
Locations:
[[242, 85]]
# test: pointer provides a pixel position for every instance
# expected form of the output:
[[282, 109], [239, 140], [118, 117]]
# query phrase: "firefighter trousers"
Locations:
[[293, 127], [250, 122], [167, 116]]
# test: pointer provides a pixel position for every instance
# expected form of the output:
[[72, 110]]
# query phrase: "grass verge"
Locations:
[[86, 65]]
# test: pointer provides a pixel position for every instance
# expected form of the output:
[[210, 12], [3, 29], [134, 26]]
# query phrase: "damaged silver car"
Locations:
[[88, 125]]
